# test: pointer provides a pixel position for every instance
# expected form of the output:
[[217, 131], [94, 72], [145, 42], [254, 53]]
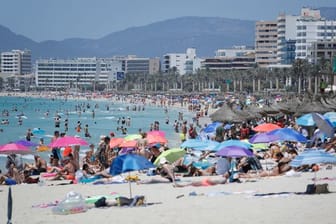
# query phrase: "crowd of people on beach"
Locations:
[[66, 164]]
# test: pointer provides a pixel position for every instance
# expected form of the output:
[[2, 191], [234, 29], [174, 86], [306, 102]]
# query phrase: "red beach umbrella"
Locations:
[[266, 127]]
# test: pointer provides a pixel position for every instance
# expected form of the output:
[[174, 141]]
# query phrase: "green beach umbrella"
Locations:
[[171, 155]]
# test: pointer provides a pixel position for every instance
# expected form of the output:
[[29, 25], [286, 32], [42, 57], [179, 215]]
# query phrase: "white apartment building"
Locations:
[[73, 73], [286, 38], [181, 63], [16, 62], [311, 27], [238, 57]]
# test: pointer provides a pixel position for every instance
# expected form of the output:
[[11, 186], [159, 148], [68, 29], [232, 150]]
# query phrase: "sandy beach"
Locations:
[[229, 203]]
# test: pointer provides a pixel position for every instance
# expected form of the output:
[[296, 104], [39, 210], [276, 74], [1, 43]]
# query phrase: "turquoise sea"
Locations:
[[41, 113]]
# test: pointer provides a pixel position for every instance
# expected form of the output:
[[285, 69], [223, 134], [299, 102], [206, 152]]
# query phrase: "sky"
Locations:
[[60, 19]]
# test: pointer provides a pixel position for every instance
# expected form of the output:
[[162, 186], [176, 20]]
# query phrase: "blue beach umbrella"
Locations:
[[209, 146], [331, 116], [324, 124], [311, 157], [287, 134], [127, 163], [212, 127], [306, 120], [200, 145]]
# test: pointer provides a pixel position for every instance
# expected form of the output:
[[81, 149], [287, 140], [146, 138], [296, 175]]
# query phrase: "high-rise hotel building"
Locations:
[[266, 34], [16, 62]]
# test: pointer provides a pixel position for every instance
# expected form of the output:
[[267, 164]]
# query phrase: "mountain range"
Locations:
[[206, 34]]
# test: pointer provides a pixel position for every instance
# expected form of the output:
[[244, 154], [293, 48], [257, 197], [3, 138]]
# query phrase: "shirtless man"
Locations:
[[68, 172], [39, 167]]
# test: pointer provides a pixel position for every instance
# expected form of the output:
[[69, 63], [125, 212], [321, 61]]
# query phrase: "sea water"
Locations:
[[41, 113]]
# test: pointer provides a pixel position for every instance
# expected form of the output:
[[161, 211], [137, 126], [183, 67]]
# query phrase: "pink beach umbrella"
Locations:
[[156, 133], [152, 139], [67, 140], [14, 148]]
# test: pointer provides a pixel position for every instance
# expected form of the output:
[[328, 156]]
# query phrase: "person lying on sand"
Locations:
[[205, 182], [166, 174]]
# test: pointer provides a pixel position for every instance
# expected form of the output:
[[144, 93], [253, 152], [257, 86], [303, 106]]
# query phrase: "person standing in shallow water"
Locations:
[[56, 152], [29, 134]]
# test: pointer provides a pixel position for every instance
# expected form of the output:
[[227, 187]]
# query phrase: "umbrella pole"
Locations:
[[129, 182], [9, 206]]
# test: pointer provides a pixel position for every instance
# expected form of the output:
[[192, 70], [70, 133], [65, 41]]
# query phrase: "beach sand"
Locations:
[[228, 203]]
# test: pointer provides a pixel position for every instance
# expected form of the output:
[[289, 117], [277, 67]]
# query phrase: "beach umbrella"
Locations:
[[210, 145], [233, 143], [127, 163], [323, 124], [115, 142], [66, 141], [128, 144], [310, 157], [133, 137], [26, 143], [171, 155], [287, 134], [262, 138], [332, 117], [210, 128], [305, 120], [200, 145], [157, 133], [227, 127], [9, 206], [14, 148], [265, 127], [38, 131], [153, 139], [234, 151]]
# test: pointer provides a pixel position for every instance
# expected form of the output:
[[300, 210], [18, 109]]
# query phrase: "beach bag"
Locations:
[[321, 189], [310, 189], [100, 202]]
